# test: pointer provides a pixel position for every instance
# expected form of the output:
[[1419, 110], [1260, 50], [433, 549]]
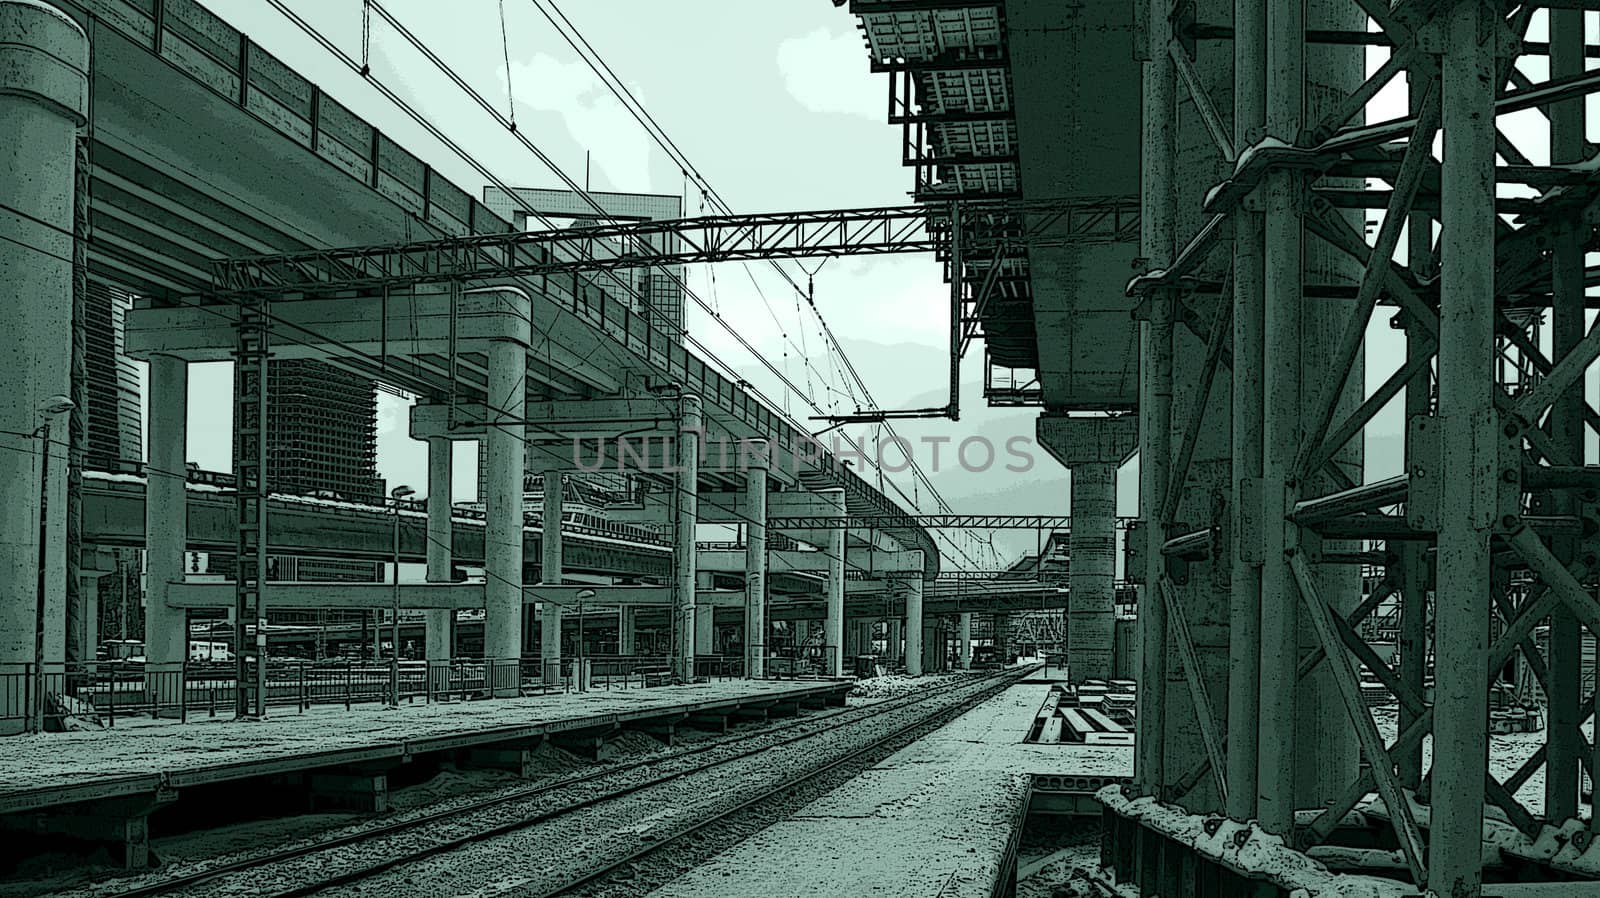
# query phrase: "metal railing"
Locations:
[[101, 693]]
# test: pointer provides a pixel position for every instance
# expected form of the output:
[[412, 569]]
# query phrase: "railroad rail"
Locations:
[[758, 742]]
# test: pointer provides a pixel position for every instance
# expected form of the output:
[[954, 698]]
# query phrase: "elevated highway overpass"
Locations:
[[201, 146], [114, 517]]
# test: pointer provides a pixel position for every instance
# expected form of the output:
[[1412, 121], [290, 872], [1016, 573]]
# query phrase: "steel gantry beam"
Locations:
[[931, 521], [720, 238]]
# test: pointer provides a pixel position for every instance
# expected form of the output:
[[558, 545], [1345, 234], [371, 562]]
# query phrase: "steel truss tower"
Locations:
[[1488, 536]]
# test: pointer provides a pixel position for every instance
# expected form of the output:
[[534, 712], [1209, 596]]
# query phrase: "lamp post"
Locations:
[[396, 494], [51, 407]]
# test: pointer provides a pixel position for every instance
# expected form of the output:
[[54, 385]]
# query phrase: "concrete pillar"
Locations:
[[502, 492], [439, 625], [756, 462], [705, 629], [1091, 602], [88, 635], [964, 640], [892, 630], [833, 632], [165, 523], [1092, 448], [861, 630], [934, 653], [43, 99], [550, 574], [627, 630], [1002, 634], [690, 431], [913, 589]]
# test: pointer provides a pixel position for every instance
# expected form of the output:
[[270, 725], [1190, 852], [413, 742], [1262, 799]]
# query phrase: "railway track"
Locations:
[[588, 880], [538, 804]]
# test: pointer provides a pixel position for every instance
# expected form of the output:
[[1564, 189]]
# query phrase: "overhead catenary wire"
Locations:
[[483, 103], [363, 68], [597, 63]]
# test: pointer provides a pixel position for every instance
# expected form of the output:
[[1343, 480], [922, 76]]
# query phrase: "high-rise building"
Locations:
[[655, 294], [111, 379], [322, 431]]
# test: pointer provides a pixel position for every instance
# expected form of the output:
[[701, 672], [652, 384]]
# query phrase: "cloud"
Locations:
[[827, 71], [596, 120]]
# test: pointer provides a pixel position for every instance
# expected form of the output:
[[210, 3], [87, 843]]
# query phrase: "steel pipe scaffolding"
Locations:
[[1478, 556]]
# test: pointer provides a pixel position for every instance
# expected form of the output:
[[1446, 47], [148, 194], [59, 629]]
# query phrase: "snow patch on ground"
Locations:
[[1248, 851], [896, 685]]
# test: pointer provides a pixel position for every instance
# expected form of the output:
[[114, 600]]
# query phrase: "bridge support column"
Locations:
[[165, 528], [1002, 633], [1093, 449], [87, 636], [705, 627], [627, 630], [833, 632], [913, 589], [502, 506], [891, 648], [43, 99], [935, 654], [964, 640], [683, 554], [439, 625], [756, 461], [550, 575]]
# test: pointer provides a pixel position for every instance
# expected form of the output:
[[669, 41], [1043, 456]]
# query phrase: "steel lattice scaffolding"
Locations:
[[1490, 530]]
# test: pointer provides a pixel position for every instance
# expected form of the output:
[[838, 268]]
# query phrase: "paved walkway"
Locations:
[[935, 819], [50, 768]]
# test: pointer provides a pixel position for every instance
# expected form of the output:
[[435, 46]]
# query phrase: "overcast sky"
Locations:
[[773, 103]]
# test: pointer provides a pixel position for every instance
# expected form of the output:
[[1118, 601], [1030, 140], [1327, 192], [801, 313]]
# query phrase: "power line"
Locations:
[[631, 103], [483, 103]]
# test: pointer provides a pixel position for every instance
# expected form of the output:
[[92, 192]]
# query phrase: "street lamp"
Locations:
[[398, 493], [51, 407]]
